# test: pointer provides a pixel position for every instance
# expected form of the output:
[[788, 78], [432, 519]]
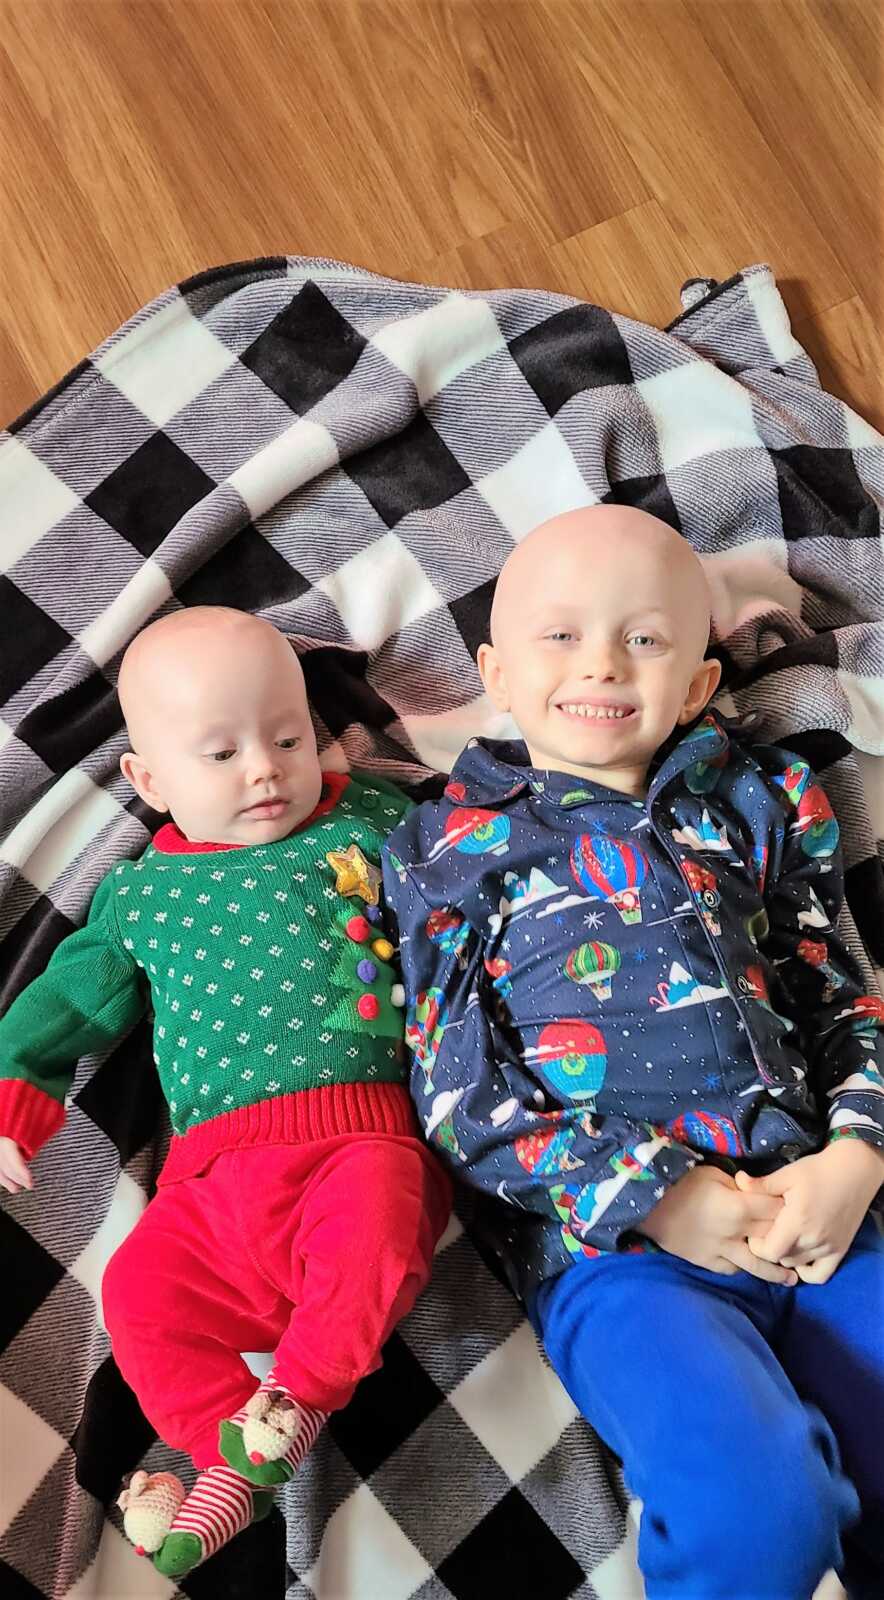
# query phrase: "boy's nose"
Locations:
[[602, 663]]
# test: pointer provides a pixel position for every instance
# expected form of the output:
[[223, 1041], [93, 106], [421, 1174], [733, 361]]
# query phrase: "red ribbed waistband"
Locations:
[[302, 1118]]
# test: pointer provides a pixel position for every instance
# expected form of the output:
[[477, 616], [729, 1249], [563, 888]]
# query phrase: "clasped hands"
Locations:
[[797, 1223]]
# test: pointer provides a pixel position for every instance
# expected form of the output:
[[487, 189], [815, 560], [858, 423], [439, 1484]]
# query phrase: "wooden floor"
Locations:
[[608, 148]]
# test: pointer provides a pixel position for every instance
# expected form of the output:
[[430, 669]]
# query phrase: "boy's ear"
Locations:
[[702, 687], [136, 773], [491, 674]]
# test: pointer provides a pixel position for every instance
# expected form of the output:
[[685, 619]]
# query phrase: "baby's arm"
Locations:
[[89, 996]]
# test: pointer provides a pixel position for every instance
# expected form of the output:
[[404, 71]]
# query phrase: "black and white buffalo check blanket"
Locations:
[[353, 457]]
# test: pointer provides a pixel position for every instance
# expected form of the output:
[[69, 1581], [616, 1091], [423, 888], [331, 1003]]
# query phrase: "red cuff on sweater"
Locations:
[[28, 1115]]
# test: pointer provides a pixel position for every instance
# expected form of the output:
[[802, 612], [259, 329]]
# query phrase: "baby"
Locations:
[[637, 1034], [297, 1210]]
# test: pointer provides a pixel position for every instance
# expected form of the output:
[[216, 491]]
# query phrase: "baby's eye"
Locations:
[[560, 636], [288, 744], [221, 755], [644, 641]]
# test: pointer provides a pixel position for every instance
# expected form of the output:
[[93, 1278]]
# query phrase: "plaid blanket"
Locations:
[[353, 457]]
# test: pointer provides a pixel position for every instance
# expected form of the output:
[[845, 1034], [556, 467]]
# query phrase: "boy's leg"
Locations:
[[356, 1257], [833, 1351], [740, 1483]]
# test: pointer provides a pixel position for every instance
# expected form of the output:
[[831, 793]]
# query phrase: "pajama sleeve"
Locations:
[[485, 1110], [841, 1027]]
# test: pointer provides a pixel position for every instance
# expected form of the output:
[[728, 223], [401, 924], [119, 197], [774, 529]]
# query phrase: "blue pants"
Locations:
[[724, 1398]]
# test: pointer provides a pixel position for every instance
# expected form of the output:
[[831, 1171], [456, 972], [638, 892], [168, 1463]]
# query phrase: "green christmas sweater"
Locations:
[[270, 979]]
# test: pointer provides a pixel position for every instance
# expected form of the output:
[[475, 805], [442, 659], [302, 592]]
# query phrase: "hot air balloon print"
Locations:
[[550, 1149], [450, 930], [563, 1196], [702, 1131], [815, 953], [594, 964], [473, 831], [572, 1057], [610, 869], [424, 1028], [704, 889], [819, 832]]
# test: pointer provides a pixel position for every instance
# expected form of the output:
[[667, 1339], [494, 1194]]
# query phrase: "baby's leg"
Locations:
[[181, 1300], [355, 1260], [740, 1483], [833, 1351]]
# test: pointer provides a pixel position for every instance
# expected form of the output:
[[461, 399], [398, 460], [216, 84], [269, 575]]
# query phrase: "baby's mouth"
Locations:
[[597, 711]]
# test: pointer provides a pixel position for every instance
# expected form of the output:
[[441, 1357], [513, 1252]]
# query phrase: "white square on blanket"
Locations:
[[379, 591], [64, 821], [365, 1553], [119, 1572], [697, 411], [124, 1211], [300, 455], [165, 362], [517, 1433], [29, 1449], [437, 345], [33, 501], [539, 481]]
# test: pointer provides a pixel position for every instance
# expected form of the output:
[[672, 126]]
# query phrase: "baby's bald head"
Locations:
[[210, 689], [605, 610]]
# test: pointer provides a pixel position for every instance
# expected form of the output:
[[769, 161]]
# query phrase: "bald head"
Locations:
[[587, 548], [216, 707], [599, 630], [172, 657]]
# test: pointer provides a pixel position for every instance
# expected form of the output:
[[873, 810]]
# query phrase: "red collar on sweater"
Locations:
[[169, 840]]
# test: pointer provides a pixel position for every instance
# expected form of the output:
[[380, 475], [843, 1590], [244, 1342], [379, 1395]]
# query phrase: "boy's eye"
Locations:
[[560, 636], [221, 755], [643, 640], [288, 744]]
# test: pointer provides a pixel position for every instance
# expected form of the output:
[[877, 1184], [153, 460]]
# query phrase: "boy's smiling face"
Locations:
[[599, 630]]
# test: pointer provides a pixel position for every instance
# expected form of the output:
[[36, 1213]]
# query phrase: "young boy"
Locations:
[[297, 1209], [636, 1032]]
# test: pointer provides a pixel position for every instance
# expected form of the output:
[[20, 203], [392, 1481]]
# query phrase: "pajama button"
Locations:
[[366, 971], [382, 948], [368, 1006], [358, 930]]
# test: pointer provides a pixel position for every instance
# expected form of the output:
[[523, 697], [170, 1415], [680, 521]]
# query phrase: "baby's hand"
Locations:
[[705, 1219], [15, 1173], [825, 1198]]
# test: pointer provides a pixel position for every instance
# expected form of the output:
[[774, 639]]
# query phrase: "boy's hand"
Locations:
[[825, 1198], [15, 1173], [705, 1219]]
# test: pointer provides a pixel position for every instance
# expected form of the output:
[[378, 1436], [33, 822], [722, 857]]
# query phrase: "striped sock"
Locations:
[[219, 1506], [270, 1435]]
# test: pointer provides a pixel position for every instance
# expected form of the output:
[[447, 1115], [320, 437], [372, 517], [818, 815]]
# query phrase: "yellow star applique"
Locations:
[[355, 875]]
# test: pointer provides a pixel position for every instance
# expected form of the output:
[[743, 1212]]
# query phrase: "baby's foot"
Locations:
[[149, 1503], [267, 1439], [219, 1506]]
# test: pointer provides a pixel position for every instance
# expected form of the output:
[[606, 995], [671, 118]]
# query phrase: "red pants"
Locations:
[[315, 1251]]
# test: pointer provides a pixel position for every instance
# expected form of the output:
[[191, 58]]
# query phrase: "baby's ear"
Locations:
[[136, 773], [702, 687], [491, 673]]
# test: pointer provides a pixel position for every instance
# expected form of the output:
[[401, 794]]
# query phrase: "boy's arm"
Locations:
[[841, 1028], [90, 995], [483, 1108]]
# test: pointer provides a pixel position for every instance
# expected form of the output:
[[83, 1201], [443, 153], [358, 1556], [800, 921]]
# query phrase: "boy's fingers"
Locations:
[[780, 1240], [770, 1271], [761, 1207]]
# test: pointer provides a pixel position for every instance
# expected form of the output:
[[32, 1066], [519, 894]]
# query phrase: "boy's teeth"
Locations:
[[596, 713]]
